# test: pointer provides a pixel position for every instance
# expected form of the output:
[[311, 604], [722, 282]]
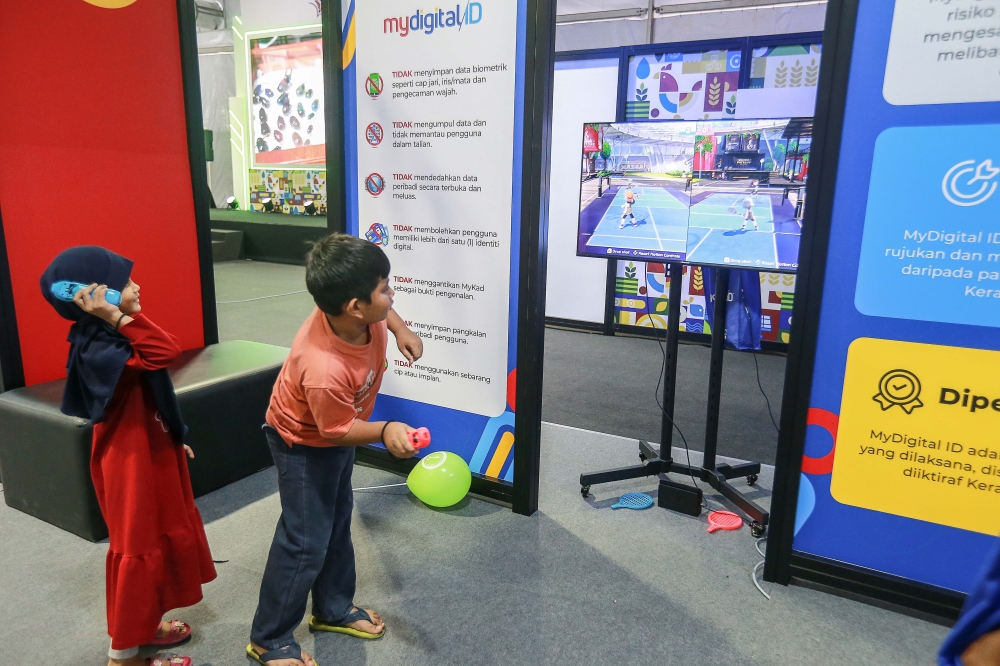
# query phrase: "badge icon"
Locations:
[[374, 85], [374, 134], [378, 234], [899, 388], [375, 184]]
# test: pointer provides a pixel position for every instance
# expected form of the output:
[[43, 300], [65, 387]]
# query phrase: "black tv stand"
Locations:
[[659, 462]]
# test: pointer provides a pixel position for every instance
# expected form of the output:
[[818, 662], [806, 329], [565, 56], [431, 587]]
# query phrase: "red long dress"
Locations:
[[158, 557]]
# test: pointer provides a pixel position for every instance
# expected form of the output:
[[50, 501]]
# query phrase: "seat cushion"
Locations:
[[223, 391]]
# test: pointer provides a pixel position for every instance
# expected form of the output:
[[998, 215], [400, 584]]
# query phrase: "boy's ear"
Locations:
[[353, 308]]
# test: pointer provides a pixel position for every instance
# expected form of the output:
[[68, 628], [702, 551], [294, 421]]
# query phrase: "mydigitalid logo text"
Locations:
[[428, 22]]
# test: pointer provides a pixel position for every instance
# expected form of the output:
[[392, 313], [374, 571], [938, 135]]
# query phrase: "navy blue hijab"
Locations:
[[98, 353]]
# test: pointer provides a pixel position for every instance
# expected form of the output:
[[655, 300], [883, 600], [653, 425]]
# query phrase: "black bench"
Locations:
[[223, 391]]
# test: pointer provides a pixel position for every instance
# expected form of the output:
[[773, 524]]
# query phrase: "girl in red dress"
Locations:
[[158, 557]]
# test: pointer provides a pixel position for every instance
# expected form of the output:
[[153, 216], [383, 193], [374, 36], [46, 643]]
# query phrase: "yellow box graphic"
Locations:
[[919, 433]]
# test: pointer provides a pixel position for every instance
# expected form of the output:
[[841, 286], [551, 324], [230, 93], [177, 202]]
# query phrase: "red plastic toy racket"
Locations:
[[420, 438], [724, 520]]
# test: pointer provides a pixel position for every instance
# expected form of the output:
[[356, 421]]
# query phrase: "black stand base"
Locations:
[[718, 478]]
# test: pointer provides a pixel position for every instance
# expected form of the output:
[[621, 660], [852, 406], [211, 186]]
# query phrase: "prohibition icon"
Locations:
[[373, 134], [374, 85], [375, 184]]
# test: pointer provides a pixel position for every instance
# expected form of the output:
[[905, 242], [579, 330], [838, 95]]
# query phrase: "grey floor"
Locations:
[[604, 384], [577, 583]]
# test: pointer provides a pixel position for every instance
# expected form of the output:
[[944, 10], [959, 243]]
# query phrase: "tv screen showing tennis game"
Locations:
[[712, 192]]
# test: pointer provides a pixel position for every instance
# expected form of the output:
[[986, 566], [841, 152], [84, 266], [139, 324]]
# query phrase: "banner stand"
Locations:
[[782, 565], [410, 187], [660, 462], [881, 538]]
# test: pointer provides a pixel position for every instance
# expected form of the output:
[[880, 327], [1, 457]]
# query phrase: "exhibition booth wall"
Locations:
[[885, 483], [771, 76]]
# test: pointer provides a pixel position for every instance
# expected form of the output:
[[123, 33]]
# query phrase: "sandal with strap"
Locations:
[[317, 624], [292, 651], [178, 633], [170, 661]]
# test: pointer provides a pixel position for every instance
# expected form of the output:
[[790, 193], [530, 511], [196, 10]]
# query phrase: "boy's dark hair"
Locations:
[[341, 267]]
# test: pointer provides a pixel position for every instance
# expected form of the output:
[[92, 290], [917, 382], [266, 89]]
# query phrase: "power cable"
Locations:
[[260, 298]]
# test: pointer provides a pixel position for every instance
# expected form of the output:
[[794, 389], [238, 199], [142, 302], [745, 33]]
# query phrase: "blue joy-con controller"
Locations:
[[65, 291]]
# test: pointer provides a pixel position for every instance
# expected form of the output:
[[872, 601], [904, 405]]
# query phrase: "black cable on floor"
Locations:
[[755, 366]]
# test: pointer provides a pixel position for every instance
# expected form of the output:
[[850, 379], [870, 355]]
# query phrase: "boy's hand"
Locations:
[[396, 440], [410, 345], [96, 304]]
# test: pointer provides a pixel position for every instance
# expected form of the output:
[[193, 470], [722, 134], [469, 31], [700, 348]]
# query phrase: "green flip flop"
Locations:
[[316, 624], [288, 652]]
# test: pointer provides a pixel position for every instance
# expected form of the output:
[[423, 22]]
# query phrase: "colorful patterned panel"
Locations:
[[291, 190], [791, 66], [691, 86], [641, 292]]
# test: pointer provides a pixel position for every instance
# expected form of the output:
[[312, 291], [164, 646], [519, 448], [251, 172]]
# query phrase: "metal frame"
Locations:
[[11, 366], [333, 115], [830, 100], [539, 74], [191, 78]]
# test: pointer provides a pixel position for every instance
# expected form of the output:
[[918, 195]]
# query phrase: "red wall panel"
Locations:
[[94, 151]]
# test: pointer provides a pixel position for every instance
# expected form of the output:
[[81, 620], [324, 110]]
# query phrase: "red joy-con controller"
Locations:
[[420, 438]]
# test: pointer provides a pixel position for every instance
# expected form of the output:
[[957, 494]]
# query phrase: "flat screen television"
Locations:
[[712, 193]]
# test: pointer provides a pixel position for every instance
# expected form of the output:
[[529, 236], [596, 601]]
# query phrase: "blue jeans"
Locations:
[[312, 548]]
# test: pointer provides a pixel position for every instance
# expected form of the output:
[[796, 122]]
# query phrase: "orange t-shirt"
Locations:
[[326, 383]]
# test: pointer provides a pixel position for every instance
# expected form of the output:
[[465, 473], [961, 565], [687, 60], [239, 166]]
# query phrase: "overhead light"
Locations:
[[310, 208], [232, 203], [669, 11], [268, 205]]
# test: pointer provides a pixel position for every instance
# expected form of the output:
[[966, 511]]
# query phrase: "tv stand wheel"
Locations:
[[585, 491], [642, 458], [757, 530], [751, 479]]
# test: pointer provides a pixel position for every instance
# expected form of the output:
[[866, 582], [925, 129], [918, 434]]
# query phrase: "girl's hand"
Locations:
[[410, 345], [92, 300], [189, 452]]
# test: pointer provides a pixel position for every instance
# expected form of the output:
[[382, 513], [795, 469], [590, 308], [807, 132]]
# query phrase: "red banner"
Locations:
[[591, 140], [95, 153]]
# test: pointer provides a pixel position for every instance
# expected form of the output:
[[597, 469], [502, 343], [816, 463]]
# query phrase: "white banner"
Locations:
[[435, 109]]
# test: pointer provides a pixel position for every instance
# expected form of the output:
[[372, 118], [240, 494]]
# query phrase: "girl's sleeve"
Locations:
[[152, 347]]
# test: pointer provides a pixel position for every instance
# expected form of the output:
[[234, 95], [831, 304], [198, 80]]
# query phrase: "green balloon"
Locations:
[[440, 479]]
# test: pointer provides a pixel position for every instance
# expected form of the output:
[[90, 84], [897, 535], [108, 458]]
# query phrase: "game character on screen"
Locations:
[[630, 198], [158, 556], [753, 187], [748, 215], [318, 414]]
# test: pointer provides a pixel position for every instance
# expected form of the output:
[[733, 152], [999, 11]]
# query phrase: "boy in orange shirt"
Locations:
[[318, 415]]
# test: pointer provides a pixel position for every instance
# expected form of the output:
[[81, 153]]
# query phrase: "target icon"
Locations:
[[374, 134], [375, 184]]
